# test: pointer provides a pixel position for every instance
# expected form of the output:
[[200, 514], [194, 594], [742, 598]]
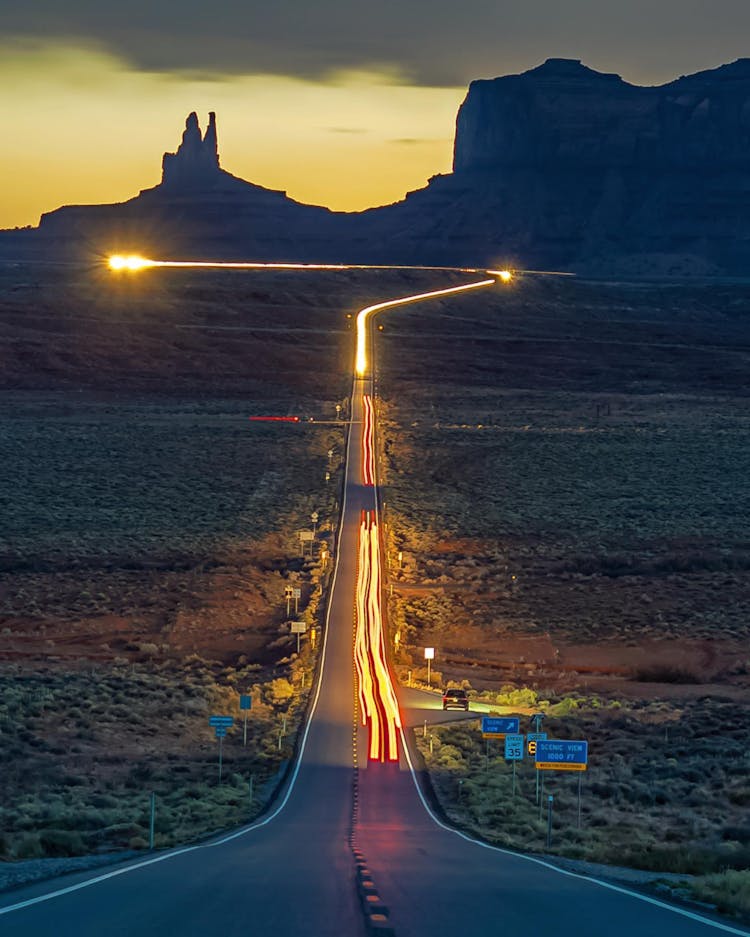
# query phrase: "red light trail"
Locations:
[[368, 442], [377, 698]]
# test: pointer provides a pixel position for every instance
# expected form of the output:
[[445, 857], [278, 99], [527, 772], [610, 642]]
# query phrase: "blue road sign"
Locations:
[[513, 747], [220, 731], [221, 720], [246, 702], [562, 755], [499, 725]]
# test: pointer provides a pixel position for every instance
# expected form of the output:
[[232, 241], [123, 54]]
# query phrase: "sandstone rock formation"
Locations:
[[196, 162], [561, 167]]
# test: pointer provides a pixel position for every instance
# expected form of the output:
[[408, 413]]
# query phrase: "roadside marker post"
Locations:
[[549, 820], [246, 703], [152, 821], [288, 595], [429, 656]]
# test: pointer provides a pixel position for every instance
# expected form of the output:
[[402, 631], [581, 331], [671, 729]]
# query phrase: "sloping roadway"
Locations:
[[292, 873]]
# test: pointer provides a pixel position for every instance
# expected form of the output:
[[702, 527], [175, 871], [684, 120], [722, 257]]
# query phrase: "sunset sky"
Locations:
[[342, 103]]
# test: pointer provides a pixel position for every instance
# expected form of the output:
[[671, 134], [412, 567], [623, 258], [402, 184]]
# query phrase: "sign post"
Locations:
[[288, 595], [246, 703], [296, 595], [299, 628], [549, 820], [531, 739], [514, 753], [220, 725], [429, 656]]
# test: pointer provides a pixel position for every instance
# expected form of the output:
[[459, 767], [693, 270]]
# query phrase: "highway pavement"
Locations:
[[293, 873]]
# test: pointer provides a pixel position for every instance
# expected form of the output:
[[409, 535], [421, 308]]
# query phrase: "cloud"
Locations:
[[413, 141], [426, 42]]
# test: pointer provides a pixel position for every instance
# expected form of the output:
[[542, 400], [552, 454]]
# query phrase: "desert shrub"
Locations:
[[57, 843], [28, 847], [729, 891]]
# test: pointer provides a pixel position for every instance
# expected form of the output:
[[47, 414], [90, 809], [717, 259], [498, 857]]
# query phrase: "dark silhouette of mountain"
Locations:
[[561, 166]]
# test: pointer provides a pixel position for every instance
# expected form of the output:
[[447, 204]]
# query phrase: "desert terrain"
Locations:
[[149, 531], [563, 471]]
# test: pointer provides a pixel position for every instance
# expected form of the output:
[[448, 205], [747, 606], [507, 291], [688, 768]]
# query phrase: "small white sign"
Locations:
[[514, 747], [299, 627], [306, 535], [429, 653], [296, 593]]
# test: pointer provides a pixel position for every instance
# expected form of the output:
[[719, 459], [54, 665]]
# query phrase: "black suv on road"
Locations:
[[455, 699]]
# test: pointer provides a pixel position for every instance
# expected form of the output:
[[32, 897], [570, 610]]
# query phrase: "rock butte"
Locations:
[[560, 166]]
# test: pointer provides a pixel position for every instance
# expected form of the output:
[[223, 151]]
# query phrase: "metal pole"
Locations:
[[252, 778], [541, 795], [537, 772], [298, 643], [288, 604], [244, 731], [152, 821], [428, 671], [424, 731], [514, 779], [549, 821], [580, 778], [221, 751]]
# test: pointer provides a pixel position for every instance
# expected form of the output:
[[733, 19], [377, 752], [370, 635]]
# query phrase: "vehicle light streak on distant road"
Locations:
[[377, 698], [360, 364], [368, 442]]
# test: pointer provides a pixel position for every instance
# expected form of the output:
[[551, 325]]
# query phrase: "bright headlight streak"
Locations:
[[360, 362], [130, 262]]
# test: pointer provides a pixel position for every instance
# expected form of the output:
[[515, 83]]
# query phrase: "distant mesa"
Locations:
[[560, 166]]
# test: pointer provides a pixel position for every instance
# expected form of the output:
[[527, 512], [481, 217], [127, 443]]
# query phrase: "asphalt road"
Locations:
[[293, 874]]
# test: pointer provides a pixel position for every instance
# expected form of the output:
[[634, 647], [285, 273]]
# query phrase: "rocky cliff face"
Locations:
[[561, 167], [563, 114]]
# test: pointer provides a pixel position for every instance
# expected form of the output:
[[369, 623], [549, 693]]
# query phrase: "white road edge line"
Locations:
[[254, 826]]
